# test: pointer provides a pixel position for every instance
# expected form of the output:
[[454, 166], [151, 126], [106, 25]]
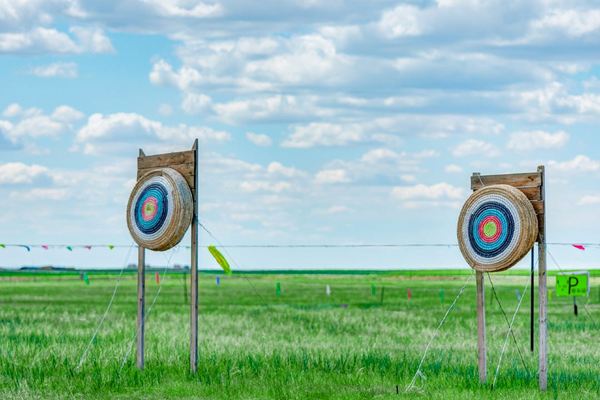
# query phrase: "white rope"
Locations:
[[108, 307], [509, 332], [147, 313], [412, 383]]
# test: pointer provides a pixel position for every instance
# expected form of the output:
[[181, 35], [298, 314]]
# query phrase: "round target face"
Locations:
[[160, 209], [497, 227]]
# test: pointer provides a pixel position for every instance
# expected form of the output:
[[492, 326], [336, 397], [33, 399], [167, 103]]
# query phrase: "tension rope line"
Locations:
[[232, 260], [147, 313], [108, 307], [504, 346], [507, 322], [412, 383]]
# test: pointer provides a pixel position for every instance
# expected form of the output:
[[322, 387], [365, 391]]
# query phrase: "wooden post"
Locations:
[[141, 294], [543, 294], [141, 303], [194, 271], [481, 349]]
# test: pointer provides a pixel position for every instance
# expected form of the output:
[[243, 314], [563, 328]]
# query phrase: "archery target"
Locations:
[[497, 226], [160, 209]]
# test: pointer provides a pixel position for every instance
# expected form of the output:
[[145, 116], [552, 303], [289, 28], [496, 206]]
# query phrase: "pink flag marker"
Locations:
[[579, 246], [45, 246]]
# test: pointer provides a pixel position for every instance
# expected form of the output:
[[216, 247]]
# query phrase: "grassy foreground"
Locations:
[[299, 345]]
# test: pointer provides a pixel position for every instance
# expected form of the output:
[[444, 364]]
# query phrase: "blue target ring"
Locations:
[[500, 213], [151, 208]]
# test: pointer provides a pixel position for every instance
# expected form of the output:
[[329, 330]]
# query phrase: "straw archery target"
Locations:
[[496, 228], [160, 209]]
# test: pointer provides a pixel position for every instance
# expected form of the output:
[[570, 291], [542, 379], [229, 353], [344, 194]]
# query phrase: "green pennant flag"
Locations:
[[110, 246], [2, 246], [86, 279], [69, 248], [220, 259], [277, 289]]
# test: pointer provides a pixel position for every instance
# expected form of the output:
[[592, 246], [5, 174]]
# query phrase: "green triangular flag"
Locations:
[[86, 279], [2, 246], [220, 259], [110, 246], [69, 248]]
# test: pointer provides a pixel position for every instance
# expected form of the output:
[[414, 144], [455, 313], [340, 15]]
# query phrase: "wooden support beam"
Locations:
[[194, 270], [481, 342], [141, 296], [543, 295]]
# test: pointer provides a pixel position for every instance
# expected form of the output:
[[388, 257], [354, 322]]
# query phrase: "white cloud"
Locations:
[[276, 168], [186, 8], [259, 139], [531, 140], [66, 114], [265, 186], [337, 209], [378, 155], [37, 194], [194, 103], [60, 69], [324, 134], [589, 200], [453, 169], [404, 20], [20, 173], [438, 191], [49, 40], [580, 163], [12, 110], [573, 22], [475, 147], [330, 176], [126, 130]]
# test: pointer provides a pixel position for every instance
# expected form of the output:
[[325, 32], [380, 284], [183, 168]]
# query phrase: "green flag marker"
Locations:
[[573, 284], [110, 246], [278, 289], [86, 279], [69, 248], [373, 289], [220, 259], [2, 246]]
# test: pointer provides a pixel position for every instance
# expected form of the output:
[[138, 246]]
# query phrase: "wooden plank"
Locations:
[[538, 206], [543, 296], [141, 294], [516, 180], [164, 160], [187, 170], [481, 342], [533, 193], [194, 272]]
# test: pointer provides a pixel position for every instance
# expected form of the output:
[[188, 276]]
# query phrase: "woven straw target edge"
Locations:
[[182, 210], [527, 236]]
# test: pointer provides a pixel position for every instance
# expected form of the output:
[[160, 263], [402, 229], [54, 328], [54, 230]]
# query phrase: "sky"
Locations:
[[318, 121]]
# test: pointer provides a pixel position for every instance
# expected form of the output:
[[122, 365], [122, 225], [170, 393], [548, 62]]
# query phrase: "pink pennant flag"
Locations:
[[45, 246], [579, 246]]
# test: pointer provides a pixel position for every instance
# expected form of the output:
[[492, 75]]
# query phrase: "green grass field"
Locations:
[[300, 345]]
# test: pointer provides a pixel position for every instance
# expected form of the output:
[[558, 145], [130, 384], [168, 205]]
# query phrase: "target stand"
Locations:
[[498, 226], [162, 205]]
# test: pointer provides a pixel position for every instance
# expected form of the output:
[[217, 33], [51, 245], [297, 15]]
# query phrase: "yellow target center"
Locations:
[[149, 209], [490, 229]]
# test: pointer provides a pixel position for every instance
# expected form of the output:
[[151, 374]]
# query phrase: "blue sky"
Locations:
[[318, 121]]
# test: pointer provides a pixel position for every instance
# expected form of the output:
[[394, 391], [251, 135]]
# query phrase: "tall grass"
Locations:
[[302, 344]]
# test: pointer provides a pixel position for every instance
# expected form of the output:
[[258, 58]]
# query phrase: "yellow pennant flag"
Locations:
[[220, 259]]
